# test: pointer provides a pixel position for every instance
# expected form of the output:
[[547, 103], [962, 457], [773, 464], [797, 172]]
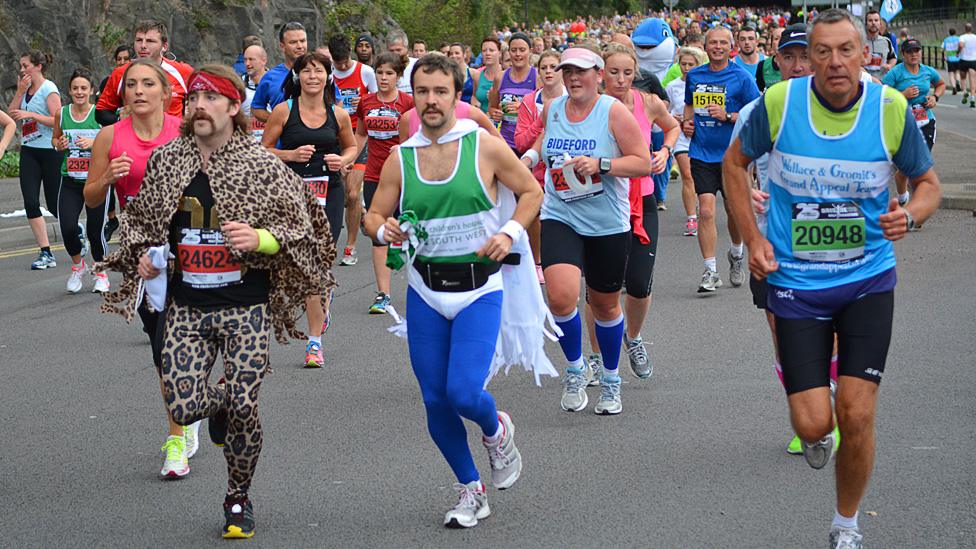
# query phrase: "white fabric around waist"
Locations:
[[449, 304]]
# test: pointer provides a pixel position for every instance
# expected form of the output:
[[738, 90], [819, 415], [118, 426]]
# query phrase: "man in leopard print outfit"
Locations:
[[251, 243]]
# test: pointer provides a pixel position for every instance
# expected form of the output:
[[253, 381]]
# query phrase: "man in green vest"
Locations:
[[445, 180]]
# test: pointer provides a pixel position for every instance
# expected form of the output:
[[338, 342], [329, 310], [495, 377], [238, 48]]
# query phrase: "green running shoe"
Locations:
[[796, 447]]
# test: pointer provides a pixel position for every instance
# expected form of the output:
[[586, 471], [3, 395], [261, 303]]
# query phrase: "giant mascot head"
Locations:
[[655, 45]]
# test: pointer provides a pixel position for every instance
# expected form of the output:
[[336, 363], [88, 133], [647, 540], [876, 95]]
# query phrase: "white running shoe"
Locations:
[[845, 538], [609, 403], [101, 283], [191, 439], [505, 458], [710, 282], [574, 396], [175, 465], [83, 236], [594, 367], [820, 452], [75, 278], [472, 506]]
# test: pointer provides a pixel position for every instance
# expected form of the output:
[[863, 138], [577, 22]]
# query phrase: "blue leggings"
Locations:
[[662, 179], [451, 359]]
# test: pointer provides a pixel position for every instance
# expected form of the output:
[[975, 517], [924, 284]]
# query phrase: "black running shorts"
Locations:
[[603, 259]]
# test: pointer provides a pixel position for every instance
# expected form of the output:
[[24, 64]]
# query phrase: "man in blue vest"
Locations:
[[828, 252]]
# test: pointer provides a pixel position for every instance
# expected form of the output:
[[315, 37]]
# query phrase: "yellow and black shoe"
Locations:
[[239, 518]]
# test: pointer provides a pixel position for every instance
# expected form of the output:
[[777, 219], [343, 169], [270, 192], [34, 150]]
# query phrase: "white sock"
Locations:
[[316, 340], [710, 264], [844, 522], [578, 363], [630, 342], [692, 217], [494, 439], [736, 249], [903, 198]]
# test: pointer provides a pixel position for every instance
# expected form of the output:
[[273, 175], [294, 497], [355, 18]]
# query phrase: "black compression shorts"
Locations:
[[707, 176], [863, 335], [603, 259], [640, 265]]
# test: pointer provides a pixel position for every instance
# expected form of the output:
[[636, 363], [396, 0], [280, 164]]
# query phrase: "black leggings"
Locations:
[[71, 200], [640, 265], [36, 166], [335, 206]]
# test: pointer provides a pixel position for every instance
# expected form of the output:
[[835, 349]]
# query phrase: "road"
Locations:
[[696, 460]]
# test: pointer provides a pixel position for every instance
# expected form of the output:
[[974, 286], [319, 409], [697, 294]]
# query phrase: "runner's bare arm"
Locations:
[[925, 200], [53, 105], [272, 132], [9, 129], [688, 121], [347, 140], [404, 126], [57, 134], [385, 200], [735, 174], [99, 176], [261, 114], [483, 121], [360, 136]]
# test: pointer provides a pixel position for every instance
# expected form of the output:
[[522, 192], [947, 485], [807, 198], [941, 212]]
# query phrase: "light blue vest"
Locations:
[[602, 209], [826, 195]]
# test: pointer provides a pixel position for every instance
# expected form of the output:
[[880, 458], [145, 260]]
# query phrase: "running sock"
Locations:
[[710, 264], [903, 198], [494, 439], [833, 368], [316, 340], [608, 334], [736, 250], [46, 249], [844, 522], [572, 338], [692, 217], [630, 342]]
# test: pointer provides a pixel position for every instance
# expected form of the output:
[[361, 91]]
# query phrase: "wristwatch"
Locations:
[[670, 150], [728, 117], [604, 165], [909, 219]]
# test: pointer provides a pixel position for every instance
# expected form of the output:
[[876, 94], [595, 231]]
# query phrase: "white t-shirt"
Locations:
[[403, 84], [676, 100], [967, 47]]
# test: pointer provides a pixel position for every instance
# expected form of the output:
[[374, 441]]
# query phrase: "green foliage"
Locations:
[[201, 20], [110, 35], [438, 21], [10, 165]]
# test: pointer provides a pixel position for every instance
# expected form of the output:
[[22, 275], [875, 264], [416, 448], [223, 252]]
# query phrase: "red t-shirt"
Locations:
[[177, 73], [350, 88], [382, 128]]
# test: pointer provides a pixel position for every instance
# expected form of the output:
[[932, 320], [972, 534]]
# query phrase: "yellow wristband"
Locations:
[[267, 243]]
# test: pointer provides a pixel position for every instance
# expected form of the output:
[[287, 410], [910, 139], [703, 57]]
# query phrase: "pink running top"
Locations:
[[463, 110], [647, 182], [126, 141]]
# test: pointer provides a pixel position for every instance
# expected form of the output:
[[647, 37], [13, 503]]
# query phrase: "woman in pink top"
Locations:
[[119, 157], [529, 128], [619, 71]]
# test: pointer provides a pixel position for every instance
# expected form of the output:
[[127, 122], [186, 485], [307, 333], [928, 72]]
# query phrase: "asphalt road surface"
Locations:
[[697, 459]]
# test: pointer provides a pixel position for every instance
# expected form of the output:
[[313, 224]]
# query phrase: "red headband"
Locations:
[[202, 81]]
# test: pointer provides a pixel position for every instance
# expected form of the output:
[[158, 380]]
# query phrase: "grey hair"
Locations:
[[836, 15], [398, 36]]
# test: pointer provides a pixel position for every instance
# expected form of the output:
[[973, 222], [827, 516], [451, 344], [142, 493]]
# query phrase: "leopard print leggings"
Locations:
[[192, 340]]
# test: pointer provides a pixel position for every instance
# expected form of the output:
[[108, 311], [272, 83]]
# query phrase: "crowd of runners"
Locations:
[[497, 182]]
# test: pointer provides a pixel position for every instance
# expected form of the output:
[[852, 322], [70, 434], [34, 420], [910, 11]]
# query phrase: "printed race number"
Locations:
[[828, 231], [320, 188], [206, 261]]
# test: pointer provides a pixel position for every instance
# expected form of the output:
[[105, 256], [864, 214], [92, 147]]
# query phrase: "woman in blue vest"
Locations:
[[591, 147]]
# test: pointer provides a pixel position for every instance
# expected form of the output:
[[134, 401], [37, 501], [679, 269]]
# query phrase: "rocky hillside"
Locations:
[[86, 32]]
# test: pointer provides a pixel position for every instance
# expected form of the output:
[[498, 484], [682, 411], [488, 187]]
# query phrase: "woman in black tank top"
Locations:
[[316, 140]]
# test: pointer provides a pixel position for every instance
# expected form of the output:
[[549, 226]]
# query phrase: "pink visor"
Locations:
[[580, 57]]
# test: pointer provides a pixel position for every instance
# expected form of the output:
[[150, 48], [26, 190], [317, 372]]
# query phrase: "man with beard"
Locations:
[[293, 42], [456, 288], [749, 57], [881, 50], [237, 275], [151, 41]]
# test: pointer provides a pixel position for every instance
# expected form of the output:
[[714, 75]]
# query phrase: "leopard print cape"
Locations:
[[249, 185]]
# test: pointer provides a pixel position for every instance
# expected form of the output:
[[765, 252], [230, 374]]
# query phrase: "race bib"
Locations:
[[205, 261], [319, 186], [382, 123], [705, 95], [875, 62], [828, 231], [257, 129], [575, 188], [349, 96], [921, 115], [79, 159], [29, 132], [510, 118]]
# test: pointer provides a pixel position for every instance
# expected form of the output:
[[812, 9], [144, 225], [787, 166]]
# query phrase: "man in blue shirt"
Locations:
[[950, 48], [293, 43], [749, 57], [714, 94], [828, 250]]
